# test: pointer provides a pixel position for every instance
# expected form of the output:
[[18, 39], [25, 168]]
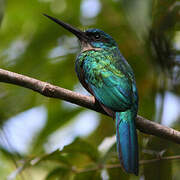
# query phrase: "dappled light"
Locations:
[[48, 138]]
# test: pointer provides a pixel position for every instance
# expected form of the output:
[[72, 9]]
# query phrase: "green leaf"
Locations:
[[117, 173], [57, 156], [91, 175], [66, 156], [59, 173], [81, 146]]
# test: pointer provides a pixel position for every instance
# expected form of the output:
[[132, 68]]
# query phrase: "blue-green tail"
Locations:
[[127, 144]]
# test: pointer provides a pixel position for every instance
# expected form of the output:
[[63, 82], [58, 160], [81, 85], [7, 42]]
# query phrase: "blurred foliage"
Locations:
[[148, 34]]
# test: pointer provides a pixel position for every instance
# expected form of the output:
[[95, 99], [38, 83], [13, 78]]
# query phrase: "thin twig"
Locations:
[[94, 168], [111, 166], [52, 91]]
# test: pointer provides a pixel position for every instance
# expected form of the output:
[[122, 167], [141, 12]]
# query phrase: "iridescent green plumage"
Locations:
[[105, 73], [106, 77]]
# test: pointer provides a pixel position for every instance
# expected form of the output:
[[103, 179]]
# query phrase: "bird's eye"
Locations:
[[97, 36]]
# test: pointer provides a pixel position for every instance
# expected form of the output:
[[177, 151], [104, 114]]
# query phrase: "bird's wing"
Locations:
[[109, 85]]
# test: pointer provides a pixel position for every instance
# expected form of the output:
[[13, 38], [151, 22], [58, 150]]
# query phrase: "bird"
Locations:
[[105, 73]]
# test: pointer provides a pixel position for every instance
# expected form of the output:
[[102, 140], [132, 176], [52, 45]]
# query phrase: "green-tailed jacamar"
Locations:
[[105, 73]]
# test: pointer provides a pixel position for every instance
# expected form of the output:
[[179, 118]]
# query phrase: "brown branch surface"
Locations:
[[49, 90]]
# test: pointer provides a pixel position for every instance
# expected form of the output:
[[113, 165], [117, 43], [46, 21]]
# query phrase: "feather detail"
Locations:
[[127, 144]]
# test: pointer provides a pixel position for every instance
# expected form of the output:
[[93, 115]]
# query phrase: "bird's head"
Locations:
[[89, 39]]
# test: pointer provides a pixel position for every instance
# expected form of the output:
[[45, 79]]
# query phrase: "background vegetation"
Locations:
[[33, 127]]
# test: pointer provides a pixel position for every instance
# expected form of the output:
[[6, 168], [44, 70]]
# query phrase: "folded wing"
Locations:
[[108, 84]]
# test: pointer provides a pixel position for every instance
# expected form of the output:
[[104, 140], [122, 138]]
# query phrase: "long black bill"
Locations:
[[77, 32]]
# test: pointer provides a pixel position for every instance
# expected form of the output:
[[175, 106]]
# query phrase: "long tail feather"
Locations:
[[127, 144]]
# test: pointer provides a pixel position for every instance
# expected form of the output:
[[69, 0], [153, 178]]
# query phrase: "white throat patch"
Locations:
[[87, 47]]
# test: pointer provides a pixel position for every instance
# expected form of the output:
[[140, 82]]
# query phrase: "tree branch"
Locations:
[[52, 91]]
